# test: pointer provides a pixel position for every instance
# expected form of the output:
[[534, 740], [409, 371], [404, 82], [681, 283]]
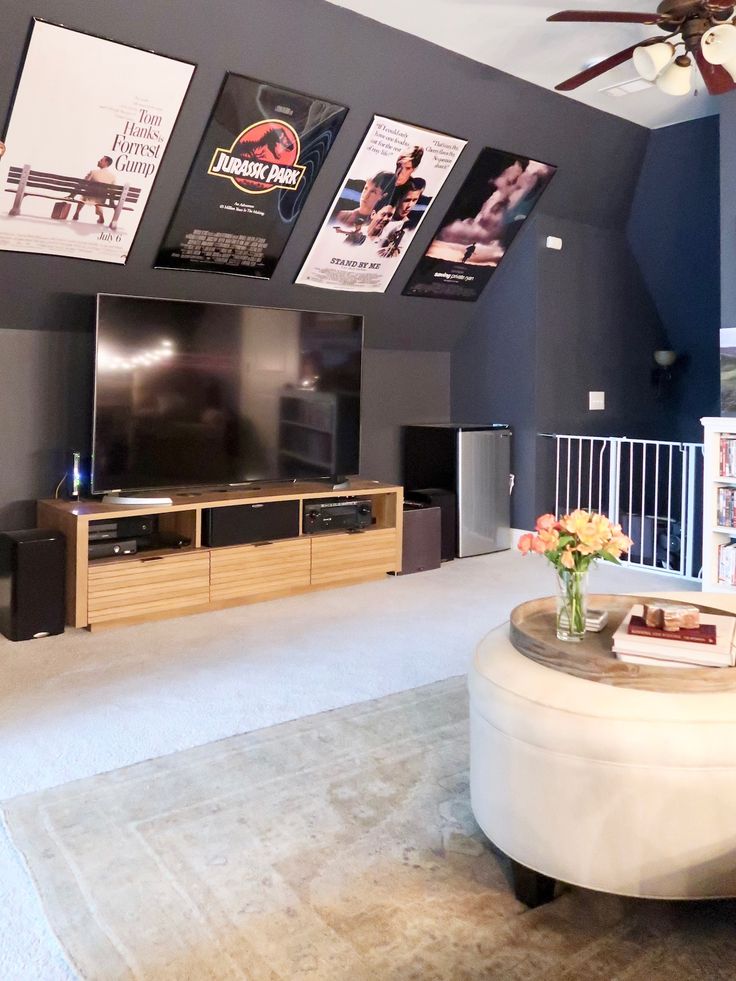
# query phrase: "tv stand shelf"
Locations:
[[170, 582]]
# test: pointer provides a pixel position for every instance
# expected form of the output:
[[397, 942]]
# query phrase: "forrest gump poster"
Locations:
[[89, 124]]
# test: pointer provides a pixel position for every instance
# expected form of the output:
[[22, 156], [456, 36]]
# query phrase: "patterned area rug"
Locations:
[[340, 846]]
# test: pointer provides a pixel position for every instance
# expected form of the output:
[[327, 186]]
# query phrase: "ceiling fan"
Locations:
[[702, 31]]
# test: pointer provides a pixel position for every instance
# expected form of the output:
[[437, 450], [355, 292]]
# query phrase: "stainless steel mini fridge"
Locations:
[[474, 462]]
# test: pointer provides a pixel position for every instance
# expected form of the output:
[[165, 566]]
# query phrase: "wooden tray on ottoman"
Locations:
[[532, 632]]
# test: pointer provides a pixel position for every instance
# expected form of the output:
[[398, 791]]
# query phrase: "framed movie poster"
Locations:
[[490, 208], [89, 124], [260, 154], [389, 189]]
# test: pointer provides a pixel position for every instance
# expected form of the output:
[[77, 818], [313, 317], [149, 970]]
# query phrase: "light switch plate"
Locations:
[[596, 400]]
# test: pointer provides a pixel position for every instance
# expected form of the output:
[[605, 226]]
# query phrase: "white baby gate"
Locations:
[[652, 488]]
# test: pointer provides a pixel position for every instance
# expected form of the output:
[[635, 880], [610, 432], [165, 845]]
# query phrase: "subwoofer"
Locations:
[[32, 583]]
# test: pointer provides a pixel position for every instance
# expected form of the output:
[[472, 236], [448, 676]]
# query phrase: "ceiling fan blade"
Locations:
[[605, 16], [717, 79], [595, 70]]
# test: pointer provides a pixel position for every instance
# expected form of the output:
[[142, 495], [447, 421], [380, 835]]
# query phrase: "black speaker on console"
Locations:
[[242, 524], [32, 581]]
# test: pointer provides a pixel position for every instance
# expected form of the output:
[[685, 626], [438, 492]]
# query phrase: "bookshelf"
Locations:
[[719, 504]]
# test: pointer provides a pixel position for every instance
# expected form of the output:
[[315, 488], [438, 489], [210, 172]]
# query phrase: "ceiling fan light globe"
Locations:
[[718, 44], [677, 78], [651, 59]]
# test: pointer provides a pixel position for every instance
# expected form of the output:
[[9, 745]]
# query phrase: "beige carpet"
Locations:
[[340, 846]]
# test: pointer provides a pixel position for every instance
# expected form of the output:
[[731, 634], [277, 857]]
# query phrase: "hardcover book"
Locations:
[[704, 634]]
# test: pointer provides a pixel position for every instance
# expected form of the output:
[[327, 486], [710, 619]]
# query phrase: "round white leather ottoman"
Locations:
[[620, 790]]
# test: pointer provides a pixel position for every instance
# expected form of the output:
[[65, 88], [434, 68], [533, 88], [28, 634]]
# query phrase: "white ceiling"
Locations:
[[516, 38]]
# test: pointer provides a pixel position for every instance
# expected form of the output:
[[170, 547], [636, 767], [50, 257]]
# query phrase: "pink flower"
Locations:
[[525, 543], [539, 546], [546, 522]]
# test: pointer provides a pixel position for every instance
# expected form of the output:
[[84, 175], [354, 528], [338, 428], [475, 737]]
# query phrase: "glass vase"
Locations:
[[572, 604]]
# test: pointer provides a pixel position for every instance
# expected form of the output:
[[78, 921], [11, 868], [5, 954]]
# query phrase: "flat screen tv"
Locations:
[[208, 394]]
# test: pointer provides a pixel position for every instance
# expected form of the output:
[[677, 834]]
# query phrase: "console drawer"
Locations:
[[135, 587], [340, 558], [259, 570]]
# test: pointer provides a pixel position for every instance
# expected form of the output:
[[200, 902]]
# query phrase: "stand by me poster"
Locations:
[[390, 186], [89, 125], [488, 212], [260, 154]]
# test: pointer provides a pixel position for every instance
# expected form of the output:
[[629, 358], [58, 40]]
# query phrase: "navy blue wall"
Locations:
[[553, 326], [728, 210], [674, 233], [494, 368]]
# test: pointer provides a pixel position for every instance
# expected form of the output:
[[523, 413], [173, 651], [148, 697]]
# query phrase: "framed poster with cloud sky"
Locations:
[[488, 212]]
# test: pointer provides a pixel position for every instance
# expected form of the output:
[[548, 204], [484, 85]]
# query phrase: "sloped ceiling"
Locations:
[[516, 38]]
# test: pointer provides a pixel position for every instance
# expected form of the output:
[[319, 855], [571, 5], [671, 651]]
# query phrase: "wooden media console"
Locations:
[[167, 582]]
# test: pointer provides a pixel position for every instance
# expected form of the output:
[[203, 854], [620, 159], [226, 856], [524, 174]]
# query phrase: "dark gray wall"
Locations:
[[45, 392], [318, 48], [673, 230], [410, 386]]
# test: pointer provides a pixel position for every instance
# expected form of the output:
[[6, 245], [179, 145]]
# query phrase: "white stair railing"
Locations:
[[648, 486]]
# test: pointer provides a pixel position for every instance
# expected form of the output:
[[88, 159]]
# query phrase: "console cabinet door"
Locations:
[[138, 587], [341, 558], [252, 571]]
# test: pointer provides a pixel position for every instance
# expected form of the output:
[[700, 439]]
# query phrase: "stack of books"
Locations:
[[595, 620], [727, 563], [710, 645], [726, 511], [728, 456]]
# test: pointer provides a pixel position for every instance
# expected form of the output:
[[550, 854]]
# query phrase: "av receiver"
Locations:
[[336, 514]]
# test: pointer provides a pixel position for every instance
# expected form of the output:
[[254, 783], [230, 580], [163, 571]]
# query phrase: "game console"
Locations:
[[110, 549], [122, 528]]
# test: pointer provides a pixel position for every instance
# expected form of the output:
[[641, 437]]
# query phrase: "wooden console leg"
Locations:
[[530, 887]]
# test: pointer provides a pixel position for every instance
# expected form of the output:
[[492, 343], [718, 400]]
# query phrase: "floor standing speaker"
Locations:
[[32, 583], [421, 538], [446, 502]]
